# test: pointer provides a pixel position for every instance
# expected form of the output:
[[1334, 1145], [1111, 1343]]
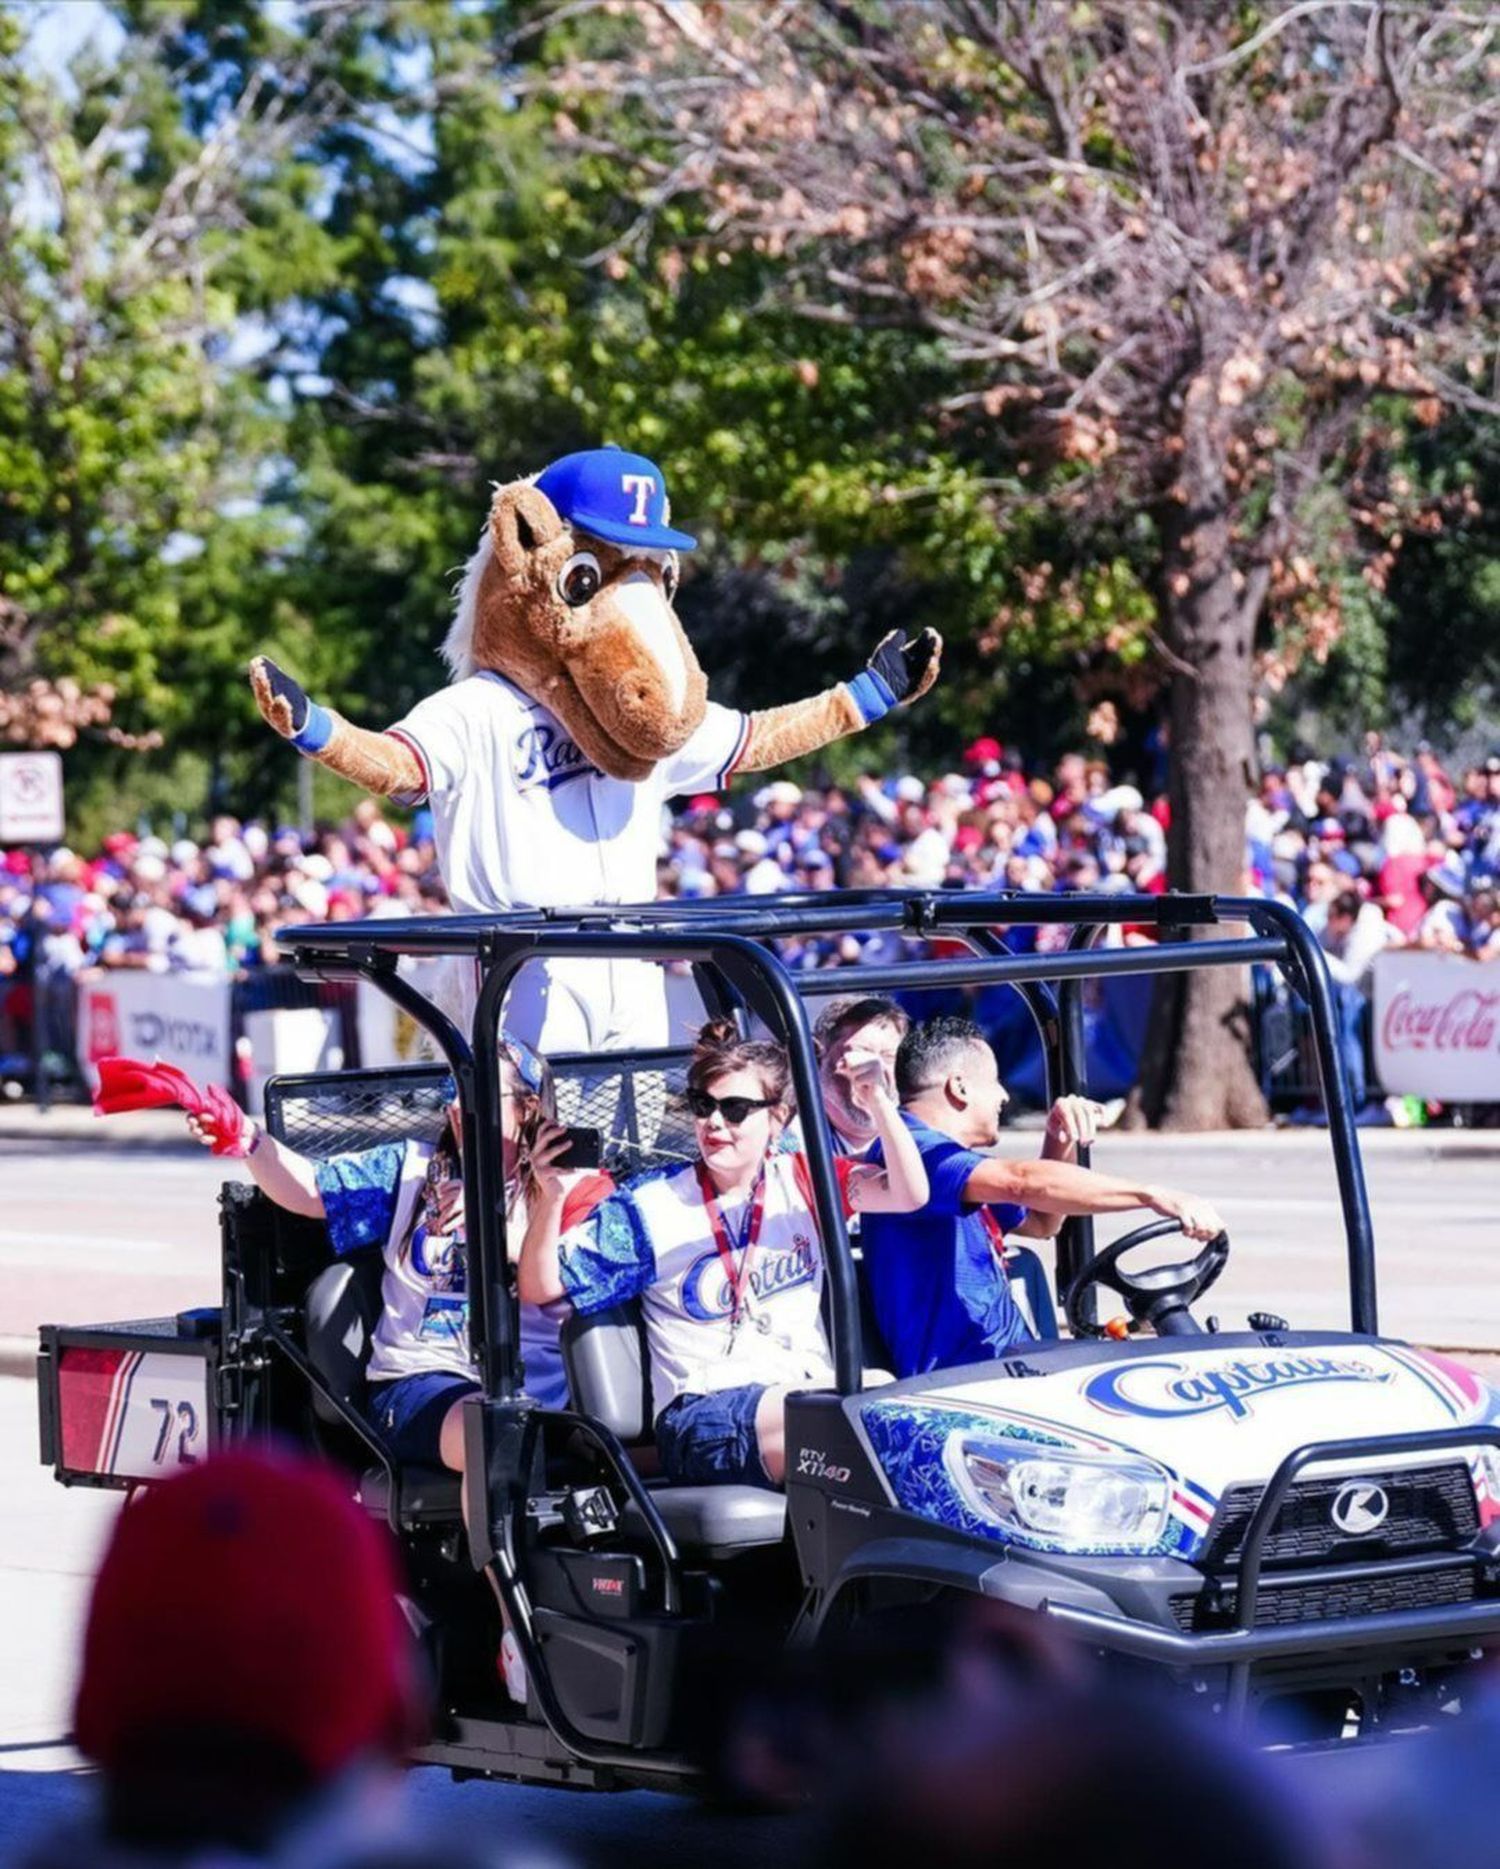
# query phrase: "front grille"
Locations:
[[1282, 1604], [1431, 1509]]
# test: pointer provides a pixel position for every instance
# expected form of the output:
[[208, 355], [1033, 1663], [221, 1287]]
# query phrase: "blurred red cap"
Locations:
[[251, 1594], [983, 752]]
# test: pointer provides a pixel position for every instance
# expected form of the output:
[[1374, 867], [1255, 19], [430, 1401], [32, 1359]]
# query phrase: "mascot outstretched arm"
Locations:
[[576, 708]]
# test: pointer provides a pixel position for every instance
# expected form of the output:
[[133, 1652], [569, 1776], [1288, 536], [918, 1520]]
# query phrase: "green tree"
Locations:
[[139, 205], [1190, 249]]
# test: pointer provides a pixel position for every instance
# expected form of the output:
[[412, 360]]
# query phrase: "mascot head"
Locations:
[[570, 597]]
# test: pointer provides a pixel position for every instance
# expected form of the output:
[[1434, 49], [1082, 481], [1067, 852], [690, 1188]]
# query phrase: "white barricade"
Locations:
[[288, 1041], [1437, 1026], [387, 1033], [180, 1018]]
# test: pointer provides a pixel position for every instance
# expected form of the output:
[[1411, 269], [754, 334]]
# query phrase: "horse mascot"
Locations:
[[576, 709]]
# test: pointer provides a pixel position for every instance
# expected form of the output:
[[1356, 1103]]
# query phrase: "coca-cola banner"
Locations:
[[1437, 1026]]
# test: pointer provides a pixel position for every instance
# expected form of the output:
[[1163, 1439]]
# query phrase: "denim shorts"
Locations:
[[408, 1413], [708, 1438]]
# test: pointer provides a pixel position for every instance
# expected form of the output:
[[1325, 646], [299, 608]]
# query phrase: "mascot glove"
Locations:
[[312, 726], [894, 671]]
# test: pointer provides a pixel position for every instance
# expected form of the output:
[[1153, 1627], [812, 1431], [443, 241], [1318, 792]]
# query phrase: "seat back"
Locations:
[[609, 1371], [633, 1099], [339, 1316]]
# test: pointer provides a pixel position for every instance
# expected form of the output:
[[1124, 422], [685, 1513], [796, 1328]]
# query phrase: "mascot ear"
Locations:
[[522, 521]]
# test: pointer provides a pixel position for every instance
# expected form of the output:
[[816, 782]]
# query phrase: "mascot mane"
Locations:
[[458, 644]]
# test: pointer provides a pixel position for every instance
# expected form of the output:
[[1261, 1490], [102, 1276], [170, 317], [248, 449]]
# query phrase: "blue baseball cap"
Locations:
[[616, 496]]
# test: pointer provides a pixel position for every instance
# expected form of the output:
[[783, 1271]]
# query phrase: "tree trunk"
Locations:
[[1198, 1072]]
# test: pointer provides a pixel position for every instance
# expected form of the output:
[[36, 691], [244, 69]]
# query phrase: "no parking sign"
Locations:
[[31, 798]]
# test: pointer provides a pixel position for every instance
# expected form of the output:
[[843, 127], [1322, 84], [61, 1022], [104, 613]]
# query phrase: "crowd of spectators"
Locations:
[[1375, 847]]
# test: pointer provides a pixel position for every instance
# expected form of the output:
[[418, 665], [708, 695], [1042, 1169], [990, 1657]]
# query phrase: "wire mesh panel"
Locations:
[[635, 1104], [634, 1101], [341, 1112]]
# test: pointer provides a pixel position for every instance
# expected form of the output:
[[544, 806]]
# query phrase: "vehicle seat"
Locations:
[[339, 1315], [609, 1373], [1032, 1291]]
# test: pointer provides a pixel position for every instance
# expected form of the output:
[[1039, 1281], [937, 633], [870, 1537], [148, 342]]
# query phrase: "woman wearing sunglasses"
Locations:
[[723, 1254]]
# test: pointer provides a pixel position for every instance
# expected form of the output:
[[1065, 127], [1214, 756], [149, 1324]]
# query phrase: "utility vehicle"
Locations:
[[1266, 1517]]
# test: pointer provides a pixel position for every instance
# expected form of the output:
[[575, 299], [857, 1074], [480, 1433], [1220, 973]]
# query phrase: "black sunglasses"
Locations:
[[734, 1110]]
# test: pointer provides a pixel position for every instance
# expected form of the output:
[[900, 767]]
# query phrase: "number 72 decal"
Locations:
[[184, 1417]]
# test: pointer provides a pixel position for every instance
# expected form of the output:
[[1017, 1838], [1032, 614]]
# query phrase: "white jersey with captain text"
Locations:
[[654, 1240]]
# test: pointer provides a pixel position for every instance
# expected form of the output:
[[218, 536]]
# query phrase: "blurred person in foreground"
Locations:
[[1066, 1773], [1431, 1801], [249, 1683]]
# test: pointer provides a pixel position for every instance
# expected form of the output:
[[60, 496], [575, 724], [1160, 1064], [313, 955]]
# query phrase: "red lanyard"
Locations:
[[738, 1281], [996, 1232]]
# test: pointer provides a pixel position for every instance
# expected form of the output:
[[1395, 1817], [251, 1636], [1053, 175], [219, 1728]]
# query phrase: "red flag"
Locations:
[[132, 1084]]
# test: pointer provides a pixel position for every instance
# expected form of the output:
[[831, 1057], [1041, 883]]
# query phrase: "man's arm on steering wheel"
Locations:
[[1072, 1123], [1056, 1190]]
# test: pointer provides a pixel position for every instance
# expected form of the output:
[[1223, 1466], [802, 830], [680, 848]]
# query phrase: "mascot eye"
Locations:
[[579, 579], [671, 576]]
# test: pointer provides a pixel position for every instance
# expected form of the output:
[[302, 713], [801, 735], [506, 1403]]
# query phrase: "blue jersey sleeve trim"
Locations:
[[728, 771], [608, 1260], [315, 732], [872, 695], [359, 1196]]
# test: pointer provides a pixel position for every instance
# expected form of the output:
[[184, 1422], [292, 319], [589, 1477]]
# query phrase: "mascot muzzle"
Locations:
[[633, 671]]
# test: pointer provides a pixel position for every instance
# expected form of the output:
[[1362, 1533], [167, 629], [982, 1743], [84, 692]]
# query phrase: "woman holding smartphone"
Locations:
[[408, 1199], [723, 1253]]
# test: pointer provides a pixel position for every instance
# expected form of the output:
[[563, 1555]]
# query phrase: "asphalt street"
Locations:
[[123, 1223]]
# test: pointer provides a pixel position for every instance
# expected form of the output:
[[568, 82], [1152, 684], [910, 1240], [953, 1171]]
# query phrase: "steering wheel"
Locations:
[[1159, 1297]]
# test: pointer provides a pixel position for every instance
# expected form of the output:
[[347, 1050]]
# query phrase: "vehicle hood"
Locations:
[[1213, 1416]]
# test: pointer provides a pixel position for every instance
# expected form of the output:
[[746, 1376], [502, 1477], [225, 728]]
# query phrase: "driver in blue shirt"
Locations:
[[937, 1276]]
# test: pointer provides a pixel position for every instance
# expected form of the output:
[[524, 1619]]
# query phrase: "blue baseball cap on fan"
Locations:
[[615, 496]]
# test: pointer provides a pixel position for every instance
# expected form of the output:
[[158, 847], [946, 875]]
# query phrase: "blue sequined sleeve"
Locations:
[[359, 1196], [608, 1260]]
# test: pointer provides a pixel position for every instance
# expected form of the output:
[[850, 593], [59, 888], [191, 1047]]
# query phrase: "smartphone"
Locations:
[[585, 1149]]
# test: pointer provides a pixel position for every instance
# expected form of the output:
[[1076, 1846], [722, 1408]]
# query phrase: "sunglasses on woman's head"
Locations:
[[734, 1110]]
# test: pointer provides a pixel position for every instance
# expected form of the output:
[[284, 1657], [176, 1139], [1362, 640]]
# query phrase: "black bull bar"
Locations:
[[1241, 1648]]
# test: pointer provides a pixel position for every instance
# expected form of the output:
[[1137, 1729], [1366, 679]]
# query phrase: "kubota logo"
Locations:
[[1360, 1508]]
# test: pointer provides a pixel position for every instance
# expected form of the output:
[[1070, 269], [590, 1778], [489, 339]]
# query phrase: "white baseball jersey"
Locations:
[[523, 821], [654, 1240]]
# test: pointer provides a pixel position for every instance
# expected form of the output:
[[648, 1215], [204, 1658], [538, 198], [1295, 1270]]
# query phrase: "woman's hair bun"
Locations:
[[720, 1048], [717, 1035]]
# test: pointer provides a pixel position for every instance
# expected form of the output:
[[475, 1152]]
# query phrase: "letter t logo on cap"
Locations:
[[642, 486]]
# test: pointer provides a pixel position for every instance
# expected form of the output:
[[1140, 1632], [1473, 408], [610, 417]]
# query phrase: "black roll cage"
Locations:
[[723, 939]]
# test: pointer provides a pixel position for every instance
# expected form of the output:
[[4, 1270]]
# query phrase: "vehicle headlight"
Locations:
[[1059, 1500]]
